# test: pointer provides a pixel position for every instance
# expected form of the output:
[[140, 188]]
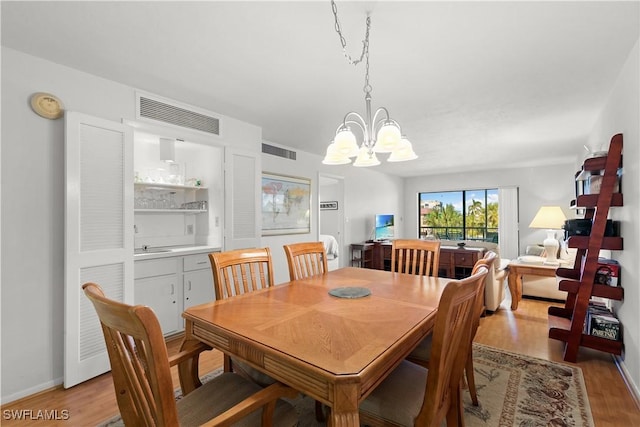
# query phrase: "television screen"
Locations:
[[384, 227]]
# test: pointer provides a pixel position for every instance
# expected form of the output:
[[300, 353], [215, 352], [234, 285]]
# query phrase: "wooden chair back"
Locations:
[[139, 361], [239, 271], [415, 256], [306, 259], [450, 344], [488, 260]]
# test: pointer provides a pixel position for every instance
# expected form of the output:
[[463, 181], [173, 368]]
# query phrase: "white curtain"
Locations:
[[508, 222]]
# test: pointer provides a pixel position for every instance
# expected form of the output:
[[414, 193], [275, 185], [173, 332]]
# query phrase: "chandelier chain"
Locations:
[[343, 42]]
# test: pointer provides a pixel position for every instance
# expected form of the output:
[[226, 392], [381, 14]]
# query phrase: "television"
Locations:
[[384, 226]]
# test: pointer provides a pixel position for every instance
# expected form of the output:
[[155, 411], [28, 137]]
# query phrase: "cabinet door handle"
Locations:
[[172, 289], [202, 262], [189, 286]]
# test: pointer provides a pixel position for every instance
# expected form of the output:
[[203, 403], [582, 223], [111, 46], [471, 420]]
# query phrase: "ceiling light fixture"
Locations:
[[381, 134]]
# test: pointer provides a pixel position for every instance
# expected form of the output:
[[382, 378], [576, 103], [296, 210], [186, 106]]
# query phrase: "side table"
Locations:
[[517, 269]]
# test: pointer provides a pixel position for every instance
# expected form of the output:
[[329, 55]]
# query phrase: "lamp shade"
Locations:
[[403, 152], [345, 142], [388, 138], [365, 159], [549, 217], [335, 157]]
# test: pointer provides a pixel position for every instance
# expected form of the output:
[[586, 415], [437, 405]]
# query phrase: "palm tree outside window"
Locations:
[[459, 215]]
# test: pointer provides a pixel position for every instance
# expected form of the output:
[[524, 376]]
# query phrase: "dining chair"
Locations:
[[413, 395], [306, 259], [242, 270], [422, 353], [235, 273], [415, 256], [141, 371]]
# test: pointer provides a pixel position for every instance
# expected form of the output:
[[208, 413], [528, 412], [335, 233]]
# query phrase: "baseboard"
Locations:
[[631, 386], [32, 391]]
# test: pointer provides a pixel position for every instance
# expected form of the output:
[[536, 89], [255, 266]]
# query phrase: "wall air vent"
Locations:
[[167, 113], [277, 151]]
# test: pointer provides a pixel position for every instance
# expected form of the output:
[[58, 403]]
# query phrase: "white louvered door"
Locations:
[[98, 234], [242, 199]]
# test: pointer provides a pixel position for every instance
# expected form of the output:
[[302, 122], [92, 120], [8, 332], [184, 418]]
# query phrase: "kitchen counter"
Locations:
[[169, 251]]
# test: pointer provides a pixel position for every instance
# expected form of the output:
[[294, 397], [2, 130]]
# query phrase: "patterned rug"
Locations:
[[513, 390]]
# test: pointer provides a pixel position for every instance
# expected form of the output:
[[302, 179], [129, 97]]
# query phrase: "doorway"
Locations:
[[331, 218]]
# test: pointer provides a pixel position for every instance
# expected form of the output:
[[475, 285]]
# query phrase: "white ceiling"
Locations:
[[474, 85]]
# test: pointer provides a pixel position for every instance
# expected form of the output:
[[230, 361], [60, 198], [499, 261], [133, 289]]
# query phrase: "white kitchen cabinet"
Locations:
[[157, 285], [161, 294], [170, 284], [197, 280]]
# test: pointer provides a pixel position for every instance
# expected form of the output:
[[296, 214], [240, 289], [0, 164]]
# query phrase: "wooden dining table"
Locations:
[[333, 349]]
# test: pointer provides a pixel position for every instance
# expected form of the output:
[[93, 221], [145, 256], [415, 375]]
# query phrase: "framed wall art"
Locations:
[[286, 204]]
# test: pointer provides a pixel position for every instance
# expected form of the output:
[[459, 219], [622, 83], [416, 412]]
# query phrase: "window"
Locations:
[[459, 215]]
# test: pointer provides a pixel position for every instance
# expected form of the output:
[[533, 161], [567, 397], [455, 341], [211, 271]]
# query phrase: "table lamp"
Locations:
[[550, 218]]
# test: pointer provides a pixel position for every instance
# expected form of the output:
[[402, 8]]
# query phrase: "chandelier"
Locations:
[[381, 134]]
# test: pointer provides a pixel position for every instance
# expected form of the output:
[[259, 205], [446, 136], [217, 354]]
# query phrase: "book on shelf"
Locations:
[[601, 322]]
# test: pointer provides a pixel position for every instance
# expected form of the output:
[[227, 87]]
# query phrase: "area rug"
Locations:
[[513, 390]]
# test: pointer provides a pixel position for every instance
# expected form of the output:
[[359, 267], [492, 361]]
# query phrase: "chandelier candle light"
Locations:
[[381, 134]]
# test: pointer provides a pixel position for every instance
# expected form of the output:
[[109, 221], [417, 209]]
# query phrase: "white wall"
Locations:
[[33, 213], [621, 114], [32, 186], [545, 185], [361, 203]]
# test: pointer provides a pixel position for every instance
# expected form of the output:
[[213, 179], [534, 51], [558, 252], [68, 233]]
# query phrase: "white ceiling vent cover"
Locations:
[[153, 109]]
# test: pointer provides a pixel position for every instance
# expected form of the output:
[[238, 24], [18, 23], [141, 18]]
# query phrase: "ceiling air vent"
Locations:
[[277, 151], [172, 114]]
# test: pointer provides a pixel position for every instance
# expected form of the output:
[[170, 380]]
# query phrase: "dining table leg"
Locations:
[[344, 412]]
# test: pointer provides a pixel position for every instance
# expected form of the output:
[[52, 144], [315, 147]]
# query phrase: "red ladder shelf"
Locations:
[[567, 323]]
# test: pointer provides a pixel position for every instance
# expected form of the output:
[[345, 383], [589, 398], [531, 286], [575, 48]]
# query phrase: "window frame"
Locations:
[[488, 234]]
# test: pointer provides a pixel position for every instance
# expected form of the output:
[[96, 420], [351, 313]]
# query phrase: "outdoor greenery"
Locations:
[[477, 223]]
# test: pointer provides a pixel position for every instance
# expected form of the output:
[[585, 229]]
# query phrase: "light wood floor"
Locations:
[[523, 331]]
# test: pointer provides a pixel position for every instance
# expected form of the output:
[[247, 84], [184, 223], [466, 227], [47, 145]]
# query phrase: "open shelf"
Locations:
[[582, 242], [598, 290], [568, 273], [590, 200], [163, 186], [559, 329], [598, 163], [171, 211]]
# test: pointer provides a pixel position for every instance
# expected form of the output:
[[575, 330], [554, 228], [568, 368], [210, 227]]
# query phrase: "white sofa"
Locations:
[[494, 291]]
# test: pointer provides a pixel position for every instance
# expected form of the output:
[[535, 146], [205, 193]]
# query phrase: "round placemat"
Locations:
[[350, 292]]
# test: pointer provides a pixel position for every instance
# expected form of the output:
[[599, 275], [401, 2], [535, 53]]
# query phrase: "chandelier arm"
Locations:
[[358, 116], [360, 124], [381, 110]]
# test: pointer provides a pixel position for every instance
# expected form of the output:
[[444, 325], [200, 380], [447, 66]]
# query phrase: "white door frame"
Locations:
[[341, 238]]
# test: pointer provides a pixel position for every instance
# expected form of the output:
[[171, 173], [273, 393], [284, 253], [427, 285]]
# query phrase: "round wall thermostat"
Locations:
[[47, 105]]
